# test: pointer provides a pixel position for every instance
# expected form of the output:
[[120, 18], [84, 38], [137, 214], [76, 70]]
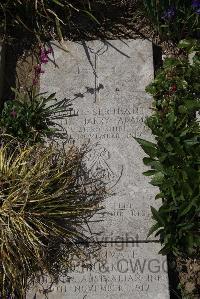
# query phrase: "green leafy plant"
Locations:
[[47, 195], [31, 117], [174, 157], [173, 19]]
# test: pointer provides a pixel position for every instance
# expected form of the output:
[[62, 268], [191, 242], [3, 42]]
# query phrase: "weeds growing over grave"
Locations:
[[32, 117], [42, 19], [174, 158], [46, 196]]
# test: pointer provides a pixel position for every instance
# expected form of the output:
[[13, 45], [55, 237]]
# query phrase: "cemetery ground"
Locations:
[[118, 20]]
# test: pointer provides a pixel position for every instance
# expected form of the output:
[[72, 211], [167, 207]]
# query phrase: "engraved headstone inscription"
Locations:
[[105, 80], [126, 271]]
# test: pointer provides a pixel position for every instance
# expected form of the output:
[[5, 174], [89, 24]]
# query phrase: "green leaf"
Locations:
[[192, 141], [196, 60], [159, 195], [168, 208], [151, 89], [182, 109], [58, 29], [192, 104], [51, 97], [185, 226], [157, 180], [171, 118], [157, 217], [149, 172], [153, 229], [58, 2], [156, 165], [147, 161], [148, 147], [165, 250], [188, 44], [169, 62], [91, 16], [184, 210], [182, 84]]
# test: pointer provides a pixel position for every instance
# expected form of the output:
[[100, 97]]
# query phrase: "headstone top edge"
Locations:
[[79, 42]]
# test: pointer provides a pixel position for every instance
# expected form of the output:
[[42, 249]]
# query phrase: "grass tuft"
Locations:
[[46, 197]]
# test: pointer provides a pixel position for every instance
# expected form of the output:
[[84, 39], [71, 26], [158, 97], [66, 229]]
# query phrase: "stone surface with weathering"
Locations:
[[126, 271], [105, 81]]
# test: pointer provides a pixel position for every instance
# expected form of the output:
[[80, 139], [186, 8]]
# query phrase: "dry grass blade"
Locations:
[[40, 19], [46, 196]]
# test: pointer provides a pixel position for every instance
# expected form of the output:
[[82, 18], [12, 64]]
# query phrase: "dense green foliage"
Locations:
[[32, 117], [174, 19], [46, 196], [175, 157]]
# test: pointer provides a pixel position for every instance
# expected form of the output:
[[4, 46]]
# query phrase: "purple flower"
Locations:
[[49, 51], [38, 70], [169, 13], [35, 81], [196, 4], [44, 58]]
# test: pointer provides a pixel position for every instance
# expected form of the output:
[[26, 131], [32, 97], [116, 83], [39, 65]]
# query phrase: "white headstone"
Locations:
[[106, 82]]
